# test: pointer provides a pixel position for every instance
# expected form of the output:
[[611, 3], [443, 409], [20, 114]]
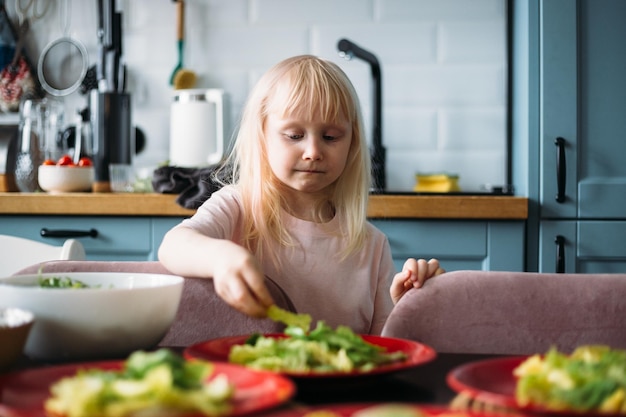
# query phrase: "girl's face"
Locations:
[[307, 155]]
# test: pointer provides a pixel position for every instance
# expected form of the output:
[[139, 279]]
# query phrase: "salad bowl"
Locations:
[[110, 316]]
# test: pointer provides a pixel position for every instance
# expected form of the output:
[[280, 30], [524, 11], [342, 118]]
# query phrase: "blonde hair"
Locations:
[[295, 86]]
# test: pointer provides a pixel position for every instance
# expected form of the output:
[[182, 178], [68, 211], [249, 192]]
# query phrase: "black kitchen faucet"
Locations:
[[348, 49]]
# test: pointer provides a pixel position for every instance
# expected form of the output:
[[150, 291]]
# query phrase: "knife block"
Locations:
[[110, 118]]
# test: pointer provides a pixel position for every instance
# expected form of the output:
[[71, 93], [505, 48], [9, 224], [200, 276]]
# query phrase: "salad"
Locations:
[[61, 282], [322, 349], [592, 378], [153, 383]]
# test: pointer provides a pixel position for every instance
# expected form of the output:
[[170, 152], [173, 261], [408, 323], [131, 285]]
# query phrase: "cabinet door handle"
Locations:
[[560, 254], [68, 233], [560, 169]]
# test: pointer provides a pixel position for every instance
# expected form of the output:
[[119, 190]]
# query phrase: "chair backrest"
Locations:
[[201, 315], [513, 312], [18, 253]]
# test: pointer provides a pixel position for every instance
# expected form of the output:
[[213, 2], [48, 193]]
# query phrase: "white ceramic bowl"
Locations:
[[63, 178], [15, 324], [121, 313]]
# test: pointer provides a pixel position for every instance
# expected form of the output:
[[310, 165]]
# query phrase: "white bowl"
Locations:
[[124, 313], [63, 178]]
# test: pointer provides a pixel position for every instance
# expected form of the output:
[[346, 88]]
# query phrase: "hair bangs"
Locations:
[[310, 89]]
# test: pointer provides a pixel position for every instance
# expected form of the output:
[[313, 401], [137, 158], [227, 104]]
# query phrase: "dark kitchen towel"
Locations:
[[194, 185]]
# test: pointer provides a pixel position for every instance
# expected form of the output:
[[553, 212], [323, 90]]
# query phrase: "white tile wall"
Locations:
[[443, 65]]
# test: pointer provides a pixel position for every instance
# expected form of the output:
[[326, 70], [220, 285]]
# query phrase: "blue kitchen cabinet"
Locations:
[[116, 238], [458, 244], [569, 105], [583, 107]]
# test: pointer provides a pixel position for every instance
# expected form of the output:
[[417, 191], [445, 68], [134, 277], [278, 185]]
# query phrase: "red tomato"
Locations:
[[65, 160], [84, 162], [48, 162]]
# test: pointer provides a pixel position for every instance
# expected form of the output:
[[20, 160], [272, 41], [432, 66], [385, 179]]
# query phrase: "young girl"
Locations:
[[296, 208]]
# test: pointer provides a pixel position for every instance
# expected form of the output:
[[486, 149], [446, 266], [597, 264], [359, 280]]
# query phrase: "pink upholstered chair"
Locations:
[[202, 314], [513, 312]]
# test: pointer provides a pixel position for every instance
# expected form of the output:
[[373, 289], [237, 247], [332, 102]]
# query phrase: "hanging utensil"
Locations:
[[102, 46], [114, 68], [63, 63], [181, 78], [29, 11]]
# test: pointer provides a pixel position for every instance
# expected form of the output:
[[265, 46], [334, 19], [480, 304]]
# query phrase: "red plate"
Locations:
[[23, 393], [346, 410], [492, 381], [417, 354]]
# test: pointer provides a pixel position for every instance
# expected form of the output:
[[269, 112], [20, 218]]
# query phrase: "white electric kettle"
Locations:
[[197, 127]]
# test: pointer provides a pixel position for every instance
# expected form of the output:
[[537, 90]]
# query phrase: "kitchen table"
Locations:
[[423, 384]]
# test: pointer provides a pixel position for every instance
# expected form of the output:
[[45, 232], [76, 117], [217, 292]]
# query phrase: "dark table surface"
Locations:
[[423, 384]]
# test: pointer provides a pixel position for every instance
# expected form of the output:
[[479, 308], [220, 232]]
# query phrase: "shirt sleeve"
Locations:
[[218, 217]]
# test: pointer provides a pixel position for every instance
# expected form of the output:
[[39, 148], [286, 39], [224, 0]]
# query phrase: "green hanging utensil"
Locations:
[[181, 78], [180, 37]]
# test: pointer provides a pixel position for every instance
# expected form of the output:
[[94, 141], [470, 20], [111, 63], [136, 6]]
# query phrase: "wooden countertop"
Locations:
[[380, 206], [448, 207]]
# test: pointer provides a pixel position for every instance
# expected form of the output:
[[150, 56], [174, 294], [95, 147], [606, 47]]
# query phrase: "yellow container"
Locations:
[[436, 183]]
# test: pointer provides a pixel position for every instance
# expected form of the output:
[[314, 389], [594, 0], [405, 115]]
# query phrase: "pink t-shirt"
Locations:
[[353, 292]]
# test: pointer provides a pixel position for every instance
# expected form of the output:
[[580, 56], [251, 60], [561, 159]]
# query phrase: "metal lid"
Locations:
[[187, 97], [194, 95]]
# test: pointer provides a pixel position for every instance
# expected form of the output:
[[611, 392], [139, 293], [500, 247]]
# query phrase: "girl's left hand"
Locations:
[[414, 273]]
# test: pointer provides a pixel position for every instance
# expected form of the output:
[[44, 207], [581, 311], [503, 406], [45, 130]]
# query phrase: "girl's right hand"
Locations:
[[239, 281]]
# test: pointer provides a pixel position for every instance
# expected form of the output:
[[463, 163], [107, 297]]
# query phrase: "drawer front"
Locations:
[[434, 238], [601, 246], [472, 245], [602, 239], [118, 238], [457, 245]]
